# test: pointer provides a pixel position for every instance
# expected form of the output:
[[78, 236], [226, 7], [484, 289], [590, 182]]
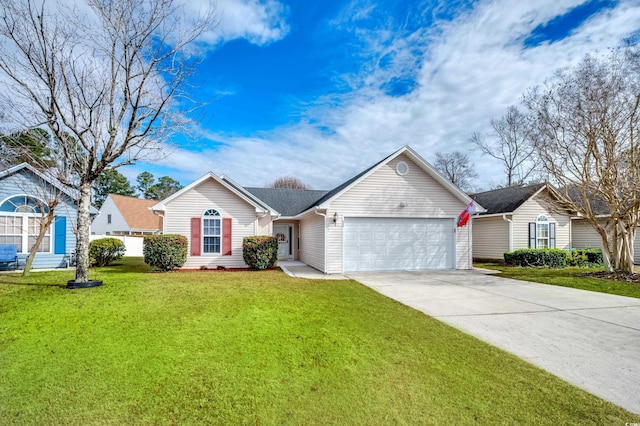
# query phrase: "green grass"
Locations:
[[255, 348], [566, 277]]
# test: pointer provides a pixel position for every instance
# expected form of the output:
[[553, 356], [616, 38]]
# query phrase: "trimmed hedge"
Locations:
[[553, 258], [103, 251], [165, 252], [260, 252], [586, 257]]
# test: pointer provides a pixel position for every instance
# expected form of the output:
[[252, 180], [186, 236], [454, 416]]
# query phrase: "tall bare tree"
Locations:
[[103, 76], [456, 167], [510, 144], [289, 182], [587, 122]]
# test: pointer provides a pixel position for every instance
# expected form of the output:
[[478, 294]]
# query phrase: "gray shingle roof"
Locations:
[[505, 200], [288, 202]]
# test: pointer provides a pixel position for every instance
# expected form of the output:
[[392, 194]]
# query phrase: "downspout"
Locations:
[[324, 226], [255, 222], [504, 217], [159, 215]]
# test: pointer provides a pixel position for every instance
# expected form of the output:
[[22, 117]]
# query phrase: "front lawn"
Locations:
[[566, 277], [255, 348]]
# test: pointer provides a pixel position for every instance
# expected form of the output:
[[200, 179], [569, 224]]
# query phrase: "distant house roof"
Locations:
[[136, 213], [506, 200], [286, 201]]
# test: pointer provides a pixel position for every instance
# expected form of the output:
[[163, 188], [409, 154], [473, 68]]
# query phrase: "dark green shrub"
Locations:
[[577, 258], [103, 251], [260, 252], [594, 256], [165, 252], [553, 258]]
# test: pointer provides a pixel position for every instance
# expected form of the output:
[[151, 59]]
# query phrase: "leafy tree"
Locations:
[[104, 80], [587, 119], [165, 187], [111, 181], [456, 167], [289, 182], [145, 181], [510, 144], [27, 146]]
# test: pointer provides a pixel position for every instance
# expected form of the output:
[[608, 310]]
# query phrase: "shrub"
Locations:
[[260, 252], [553, 258], [588, 256], [103, 251], [577, 258], [165, 252]]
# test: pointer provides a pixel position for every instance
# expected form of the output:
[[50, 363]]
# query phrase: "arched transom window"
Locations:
[[211, 231], [20, 217]]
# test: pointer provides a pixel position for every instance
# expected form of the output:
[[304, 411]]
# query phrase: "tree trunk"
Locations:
[[606, 254], [82, 244], [625, 249], [45, 223]]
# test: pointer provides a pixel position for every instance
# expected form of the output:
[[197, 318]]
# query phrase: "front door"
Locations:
[[283, 234]]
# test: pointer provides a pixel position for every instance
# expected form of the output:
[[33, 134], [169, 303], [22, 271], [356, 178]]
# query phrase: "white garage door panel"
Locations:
[[379, 244]]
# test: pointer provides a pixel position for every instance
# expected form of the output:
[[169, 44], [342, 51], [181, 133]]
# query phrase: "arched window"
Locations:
[[211, 231], [542, 232], [20, 217]]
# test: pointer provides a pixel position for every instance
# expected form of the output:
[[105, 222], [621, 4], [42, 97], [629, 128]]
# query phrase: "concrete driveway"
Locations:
[[589, 339]]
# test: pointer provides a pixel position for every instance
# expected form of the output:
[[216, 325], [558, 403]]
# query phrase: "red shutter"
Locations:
[[226, 236], [196, 242]]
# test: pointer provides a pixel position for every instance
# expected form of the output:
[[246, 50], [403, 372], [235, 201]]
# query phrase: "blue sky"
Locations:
[[323, 90]]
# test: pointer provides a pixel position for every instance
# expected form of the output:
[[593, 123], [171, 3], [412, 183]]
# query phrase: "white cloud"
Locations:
[[258, 21], [467, 71]]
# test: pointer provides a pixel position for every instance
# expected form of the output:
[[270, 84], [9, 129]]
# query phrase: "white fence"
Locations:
[[132, 244]]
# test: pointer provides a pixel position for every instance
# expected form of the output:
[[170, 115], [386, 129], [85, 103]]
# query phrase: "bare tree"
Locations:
[[510, 144], [289, 182], [587, 121], [456, 167], [104, 80]]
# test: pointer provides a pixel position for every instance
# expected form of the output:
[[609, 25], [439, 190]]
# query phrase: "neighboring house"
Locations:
[[400, 214], [519, 217], [584, 234], [22, 189], [122, 215]]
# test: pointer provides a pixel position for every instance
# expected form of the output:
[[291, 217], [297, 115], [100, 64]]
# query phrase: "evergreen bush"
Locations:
[[552, 258], [103, 251], [260, 252], [165, 252]]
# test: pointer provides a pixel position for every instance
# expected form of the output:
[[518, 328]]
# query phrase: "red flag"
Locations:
[[464, 217]]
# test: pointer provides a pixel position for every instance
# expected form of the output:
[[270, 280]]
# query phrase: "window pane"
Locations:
[[211, 227], [16, 241], [543, 230], [211, 245], [44, 246]]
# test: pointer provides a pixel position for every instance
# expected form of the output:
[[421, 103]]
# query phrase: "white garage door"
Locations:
[[382, 244]]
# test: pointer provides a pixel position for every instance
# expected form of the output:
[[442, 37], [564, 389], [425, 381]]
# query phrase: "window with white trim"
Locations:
[[20, 218], [542, 232], [211, 232]]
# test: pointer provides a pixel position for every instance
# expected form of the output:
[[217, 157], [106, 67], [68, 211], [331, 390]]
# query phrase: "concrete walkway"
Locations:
[[295, 268], [589, 339]]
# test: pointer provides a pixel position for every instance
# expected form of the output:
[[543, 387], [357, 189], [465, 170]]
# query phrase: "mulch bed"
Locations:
[[615, 276]]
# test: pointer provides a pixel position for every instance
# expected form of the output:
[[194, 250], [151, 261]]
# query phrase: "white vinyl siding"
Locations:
[[211, 195], [529, 211], [312, 241], [380, 195], [584, 235], [490, 237]]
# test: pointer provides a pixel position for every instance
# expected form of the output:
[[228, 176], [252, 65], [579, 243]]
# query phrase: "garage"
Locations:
[[393, 244]]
